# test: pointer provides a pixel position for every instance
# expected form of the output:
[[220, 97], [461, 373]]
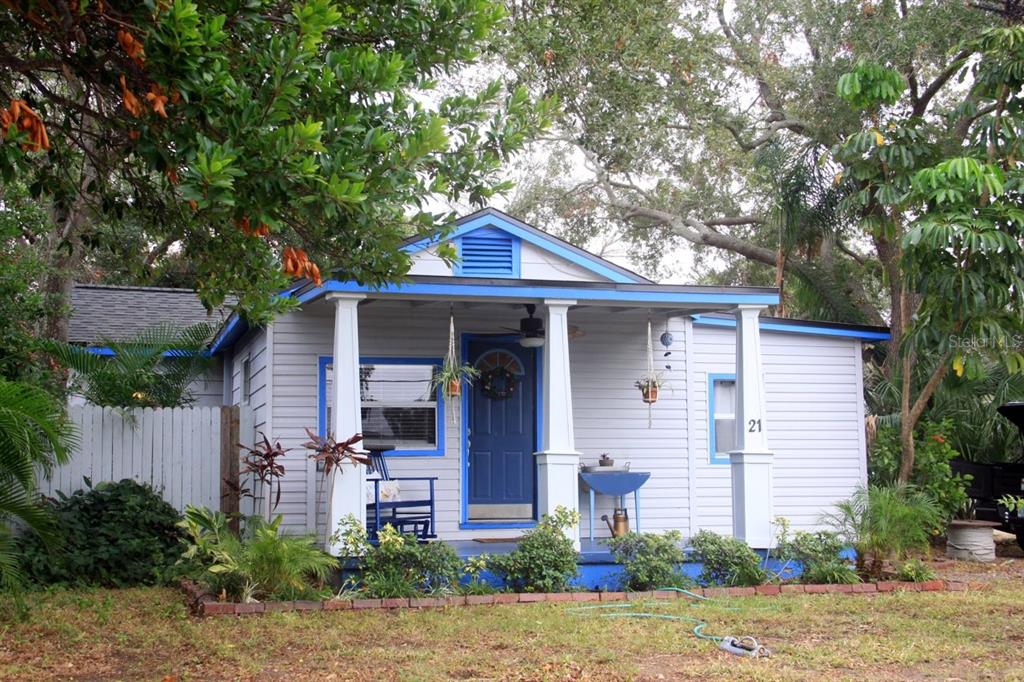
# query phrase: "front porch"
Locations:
[[584, 400]]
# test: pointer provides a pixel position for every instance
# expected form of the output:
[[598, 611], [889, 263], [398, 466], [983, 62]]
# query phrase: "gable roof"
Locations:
[[493, 218], [115, 312]]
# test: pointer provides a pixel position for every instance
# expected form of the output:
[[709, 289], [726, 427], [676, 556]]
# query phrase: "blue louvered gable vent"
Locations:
[[488, 253]]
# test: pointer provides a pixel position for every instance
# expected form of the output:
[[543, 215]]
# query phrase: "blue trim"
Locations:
[[480, 270], [805, 328], [464, 522], [231, 332], [325, 360], [590, 262], [106, 351], [481, 525], [713, 455], [519, 292]]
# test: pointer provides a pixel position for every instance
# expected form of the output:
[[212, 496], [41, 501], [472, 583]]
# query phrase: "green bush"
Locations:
[[650, 560], [727, 561], [883, 523], [915, 571], [263, 564], [545, 559], [114, 534], [818, 553], [932, 472], [399, 565]]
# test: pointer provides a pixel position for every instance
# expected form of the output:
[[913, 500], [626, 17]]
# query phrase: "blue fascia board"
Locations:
[[588, 293], [805, 328], [110, 352], [232, 332], [592, 263]]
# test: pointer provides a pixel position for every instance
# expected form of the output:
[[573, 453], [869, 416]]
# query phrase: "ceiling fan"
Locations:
[[531, 329]]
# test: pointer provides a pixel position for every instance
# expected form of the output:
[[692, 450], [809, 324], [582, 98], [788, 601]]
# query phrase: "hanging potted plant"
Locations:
[[649, 385], [452, 374]]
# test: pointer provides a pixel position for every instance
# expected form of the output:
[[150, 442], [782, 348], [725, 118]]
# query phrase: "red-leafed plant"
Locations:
[[329, 453], [261, 460]]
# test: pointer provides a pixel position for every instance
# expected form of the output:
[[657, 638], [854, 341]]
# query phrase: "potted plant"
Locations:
[[968, 539], [450, 377], [649, 384]]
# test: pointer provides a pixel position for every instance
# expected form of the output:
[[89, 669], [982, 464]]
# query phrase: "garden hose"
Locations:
[[739, 646]]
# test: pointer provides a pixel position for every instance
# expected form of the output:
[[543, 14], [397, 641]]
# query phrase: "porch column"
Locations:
[[347, 481], [751, 461], [557, 462]]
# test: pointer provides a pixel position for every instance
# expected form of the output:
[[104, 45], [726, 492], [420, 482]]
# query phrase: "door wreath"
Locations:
[[498, 383]]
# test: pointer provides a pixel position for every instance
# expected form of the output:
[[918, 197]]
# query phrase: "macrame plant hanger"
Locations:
[[451, 360], [651, 377]]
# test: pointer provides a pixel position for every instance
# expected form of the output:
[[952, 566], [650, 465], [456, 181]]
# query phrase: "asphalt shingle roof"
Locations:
[[120, 312]]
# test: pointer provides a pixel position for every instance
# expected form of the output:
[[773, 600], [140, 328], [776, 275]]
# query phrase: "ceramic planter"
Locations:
[[650, 394], [454, 388]]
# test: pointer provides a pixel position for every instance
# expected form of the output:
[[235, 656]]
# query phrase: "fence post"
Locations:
[[229, 481]]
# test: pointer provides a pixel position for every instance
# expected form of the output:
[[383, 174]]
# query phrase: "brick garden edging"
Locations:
[[203, 604]]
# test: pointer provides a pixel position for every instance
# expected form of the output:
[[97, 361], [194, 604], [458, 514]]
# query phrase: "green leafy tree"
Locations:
[[700, 123], [257, 139], [154, 369], [33, 436], [932, 472]]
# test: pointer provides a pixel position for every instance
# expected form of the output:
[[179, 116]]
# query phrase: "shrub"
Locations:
[[398, 565], [650, 560], [818, 553], [932, 472], [884, 523], [834, 572], [114, 534], [727, 561], [263, 564], [915, 571], [545, 560]]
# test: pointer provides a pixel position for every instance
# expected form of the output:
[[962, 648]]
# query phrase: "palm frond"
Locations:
[[33, 431], [154, 369]]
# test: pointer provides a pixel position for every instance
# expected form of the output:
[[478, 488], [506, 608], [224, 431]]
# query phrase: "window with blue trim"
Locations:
[[721, 416], [399, 405]]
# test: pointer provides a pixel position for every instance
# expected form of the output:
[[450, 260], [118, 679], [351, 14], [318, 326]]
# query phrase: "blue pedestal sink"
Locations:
[[616, 484]]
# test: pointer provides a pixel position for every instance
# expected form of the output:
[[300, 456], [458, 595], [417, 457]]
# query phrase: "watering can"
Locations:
[[619, 523]]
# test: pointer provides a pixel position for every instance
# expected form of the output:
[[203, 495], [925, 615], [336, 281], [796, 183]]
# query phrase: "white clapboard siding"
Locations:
[[175, 450], [815, 421]]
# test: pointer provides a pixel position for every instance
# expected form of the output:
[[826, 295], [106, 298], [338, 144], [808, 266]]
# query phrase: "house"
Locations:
[[758, 418]]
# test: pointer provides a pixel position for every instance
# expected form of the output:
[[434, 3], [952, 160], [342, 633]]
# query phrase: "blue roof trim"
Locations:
[[809, 328], [581, 293], [492, 218], [110, 352], [230, 333]]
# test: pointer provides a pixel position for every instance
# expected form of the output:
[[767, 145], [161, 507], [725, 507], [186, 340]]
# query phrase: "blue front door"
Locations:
[[502, 431]]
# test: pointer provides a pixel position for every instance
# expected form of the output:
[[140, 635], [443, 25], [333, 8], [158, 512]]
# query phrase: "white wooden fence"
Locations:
[[184, 453]]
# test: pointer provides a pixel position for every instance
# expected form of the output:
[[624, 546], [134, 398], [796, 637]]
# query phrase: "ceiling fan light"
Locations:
[[531, 341]]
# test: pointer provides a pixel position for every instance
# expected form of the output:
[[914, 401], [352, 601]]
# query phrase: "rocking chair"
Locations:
[[412, 517]]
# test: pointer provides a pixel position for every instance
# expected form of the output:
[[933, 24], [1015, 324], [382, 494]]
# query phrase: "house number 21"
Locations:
[[754, 426]]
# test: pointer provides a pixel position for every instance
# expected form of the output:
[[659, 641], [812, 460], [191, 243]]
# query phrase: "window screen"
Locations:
[[724, 416], [398, 404]]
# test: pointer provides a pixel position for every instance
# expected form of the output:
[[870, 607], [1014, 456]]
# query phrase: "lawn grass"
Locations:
[[148, 634]]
